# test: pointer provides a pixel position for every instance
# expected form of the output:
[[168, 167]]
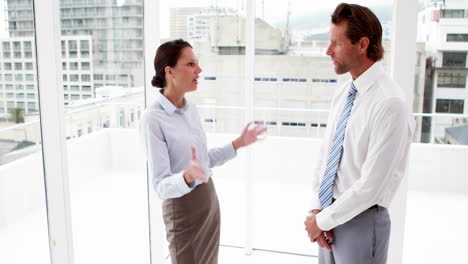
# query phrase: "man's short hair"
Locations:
[[361, 22]]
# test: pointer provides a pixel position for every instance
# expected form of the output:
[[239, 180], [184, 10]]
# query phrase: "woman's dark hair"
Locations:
[[167, 55], [361, 22]]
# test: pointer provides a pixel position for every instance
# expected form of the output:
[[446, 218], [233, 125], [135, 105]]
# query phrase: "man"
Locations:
[[365, 149]]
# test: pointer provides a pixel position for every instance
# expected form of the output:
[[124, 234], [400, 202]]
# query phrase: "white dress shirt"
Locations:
[[167, 134], [375, 148]]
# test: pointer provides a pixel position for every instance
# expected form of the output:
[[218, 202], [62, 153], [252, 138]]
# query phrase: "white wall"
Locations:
[[442, 168], [280, 164]]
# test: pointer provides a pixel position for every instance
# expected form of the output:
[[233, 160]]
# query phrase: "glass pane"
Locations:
[[107, 174], [216, 32], [442, 119], [294, 84], [23, 215]]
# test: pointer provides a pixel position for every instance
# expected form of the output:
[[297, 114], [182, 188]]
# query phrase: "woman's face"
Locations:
[[186, 71]]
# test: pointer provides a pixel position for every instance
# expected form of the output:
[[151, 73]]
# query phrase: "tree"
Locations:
[[17, 115]]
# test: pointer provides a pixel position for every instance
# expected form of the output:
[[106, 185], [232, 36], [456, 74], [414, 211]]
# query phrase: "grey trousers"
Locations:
[[362, 240]]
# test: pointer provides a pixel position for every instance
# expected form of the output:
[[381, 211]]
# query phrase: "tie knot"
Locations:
[[352, 89]]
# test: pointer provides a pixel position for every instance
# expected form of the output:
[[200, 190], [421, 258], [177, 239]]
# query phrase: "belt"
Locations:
[[375, 206]]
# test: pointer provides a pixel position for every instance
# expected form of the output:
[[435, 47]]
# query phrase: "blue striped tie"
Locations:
[[326, 187]]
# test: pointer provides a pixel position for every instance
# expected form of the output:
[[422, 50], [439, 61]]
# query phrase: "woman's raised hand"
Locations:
[[249, 135], [194, 170]]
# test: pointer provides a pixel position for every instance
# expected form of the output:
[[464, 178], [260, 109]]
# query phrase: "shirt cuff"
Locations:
[[229, 151], [182, 185], [314, 204], [325, 220]]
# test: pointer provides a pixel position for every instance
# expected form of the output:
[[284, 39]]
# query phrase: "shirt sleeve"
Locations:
[[388, 147], [218, 156], [166, 184]]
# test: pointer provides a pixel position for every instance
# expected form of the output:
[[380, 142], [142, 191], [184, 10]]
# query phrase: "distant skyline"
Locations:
[[273, 11], [3, 27]]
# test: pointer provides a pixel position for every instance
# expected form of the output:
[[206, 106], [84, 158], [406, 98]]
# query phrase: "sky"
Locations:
[[273, 11]]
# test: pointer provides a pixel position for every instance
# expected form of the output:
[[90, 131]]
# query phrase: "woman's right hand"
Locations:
[[194, 171]]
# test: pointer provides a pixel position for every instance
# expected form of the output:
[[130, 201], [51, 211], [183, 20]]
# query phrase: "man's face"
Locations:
[[343, 53]]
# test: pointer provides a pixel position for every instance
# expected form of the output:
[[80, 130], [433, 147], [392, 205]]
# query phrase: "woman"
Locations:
[[178, 158]]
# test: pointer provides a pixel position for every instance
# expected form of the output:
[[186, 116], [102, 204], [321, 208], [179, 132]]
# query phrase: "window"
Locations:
[[74, 78], [16, 46], [28, 66], [31, 96], [29, 87], [74, 87], [7, 66], [64, 77], [27, 45], [10, 104], [32, 106], [6, 46], [86, 88], [85, 78], [85, 66], [64, 49], [72, 45], [449, 106], [454, 59], [324, 80], [264, 79], [73, 66], [18, 66], [64, 66], [98, 77], [20, 96], [84, 48], [451, 79], [72, 49], [123, 77], [29, 77], [84, 44], [75, 97], [457, 37], [453, 13]]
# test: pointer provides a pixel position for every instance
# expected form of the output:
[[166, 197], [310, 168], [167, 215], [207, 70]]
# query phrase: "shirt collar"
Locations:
[[168, 107], [368, 78]]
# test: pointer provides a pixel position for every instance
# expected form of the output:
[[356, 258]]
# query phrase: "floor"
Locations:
[[108, 227]]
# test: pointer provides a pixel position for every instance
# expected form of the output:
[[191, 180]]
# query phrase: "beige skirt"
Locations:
[[193, 226]]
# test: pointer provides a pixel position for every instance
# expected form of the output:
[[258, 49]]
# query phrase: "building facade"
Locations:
[[115, 27], [444, 30], [18, 75]]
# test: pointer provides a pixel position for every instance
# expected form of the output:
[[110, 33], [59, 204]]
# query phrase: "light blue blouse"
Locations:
[[167, 134]]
